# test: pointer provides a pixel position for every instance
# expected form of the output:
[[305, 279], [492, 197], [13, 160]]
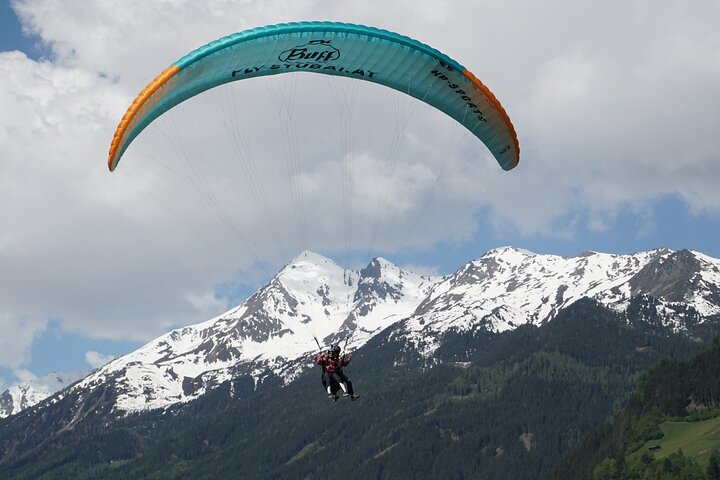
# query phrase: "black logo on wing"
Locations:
[[313, 51]]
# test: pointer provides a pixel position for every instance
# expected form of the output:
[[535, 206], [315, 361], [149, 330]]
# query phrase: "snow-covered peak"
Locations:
[[308, 259], [26, 394], [385, 294], [309, 270], [507, 252], [683, 276]]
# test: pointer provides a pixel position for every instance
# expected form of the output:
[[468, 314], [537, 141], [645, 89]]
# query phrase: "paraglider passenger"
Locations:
[[332, 364]]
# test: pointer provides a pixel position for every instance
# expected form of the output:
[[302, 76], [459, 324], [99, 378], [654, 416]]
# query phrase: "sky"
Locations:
[[616, 105]]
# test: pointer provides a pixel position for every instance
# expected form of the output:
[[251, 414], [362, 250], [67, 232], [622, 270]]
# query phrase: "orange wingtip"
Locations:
[[132, 110], [503, 114]]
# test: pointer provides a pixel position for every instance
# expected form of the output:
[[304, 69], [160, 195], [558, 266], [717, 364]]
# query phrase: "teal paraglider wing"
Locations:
[[353, 51]]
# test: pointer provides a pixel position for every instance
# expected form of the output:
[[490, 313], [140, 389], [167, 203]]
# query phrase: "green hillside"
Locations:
[[697, 440]]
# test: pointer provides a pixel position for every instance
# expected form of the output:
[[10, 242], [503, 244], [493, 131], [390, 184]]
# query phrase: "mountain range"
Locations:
[[312, 301]]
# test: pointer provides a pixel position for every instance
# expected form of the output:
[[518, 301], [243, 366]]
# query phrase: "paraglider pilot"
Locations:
[[332, 364]]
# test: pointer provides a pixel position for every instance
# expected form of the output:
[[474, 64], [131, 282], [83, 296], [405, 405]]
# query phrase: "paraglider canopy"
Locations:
[[341, 49]]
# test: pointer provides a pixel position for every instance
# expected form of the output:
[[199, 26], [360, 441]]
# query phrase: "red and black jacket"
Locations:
[[332, 364]]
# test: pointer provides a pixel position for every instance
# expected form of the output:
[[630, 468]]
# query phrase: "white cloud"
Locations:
[[208, 303], [425, 270], [613, 111], [18, 334], [24, 375], [96, 359]]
